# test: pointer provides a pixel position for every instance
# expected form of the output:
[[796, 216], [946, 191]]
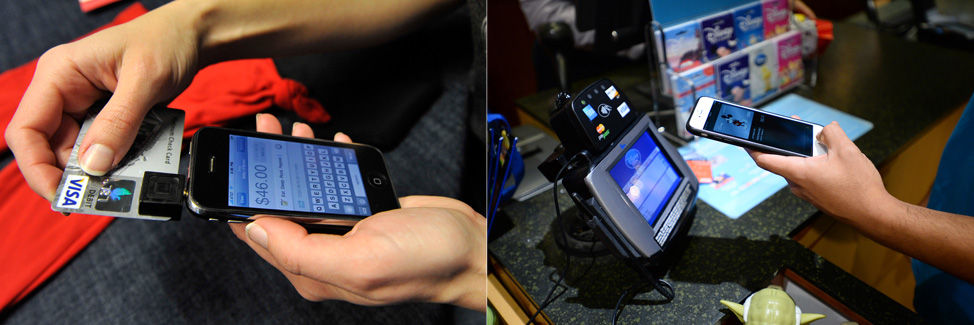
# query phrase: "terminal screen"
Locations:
[[647, 177]]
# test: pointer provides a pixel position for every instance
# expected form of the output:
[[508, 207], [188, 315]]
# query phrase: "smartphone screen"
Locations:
[[759, 127], [647, 177], [292, 176]]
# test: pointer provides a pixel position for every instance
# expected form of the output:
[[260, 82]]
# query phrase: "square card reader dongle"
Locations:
[[630, 186]]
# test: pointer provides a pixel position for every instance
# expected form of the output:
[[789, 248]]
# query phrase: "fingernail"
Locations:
[[257, 118], [257, 234], [295, 124], [97, 159]]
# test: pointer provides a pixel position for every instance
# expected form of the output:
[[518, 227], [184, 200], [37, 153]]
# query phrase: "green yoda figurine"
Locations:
[[770, 306]]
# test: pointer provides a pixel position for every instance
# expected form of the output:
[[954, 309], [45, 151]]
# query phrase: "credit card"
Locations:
[[156, 149]]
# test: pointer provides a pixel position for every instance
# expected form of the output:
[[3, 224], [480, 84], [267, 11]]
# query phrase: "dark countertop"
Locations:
[[902, 87]]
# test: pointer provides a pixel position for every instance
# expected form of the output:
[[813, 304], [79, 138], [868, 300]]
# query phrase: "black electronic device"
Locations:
[[234, 175], [633, 187], [162, 195], [595, 117]]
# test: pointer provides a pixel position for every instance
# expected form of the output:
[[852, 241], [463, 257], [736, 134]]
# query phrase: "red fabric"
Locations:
[[91, 5], [13, 83], [35, 241], [232, 89]]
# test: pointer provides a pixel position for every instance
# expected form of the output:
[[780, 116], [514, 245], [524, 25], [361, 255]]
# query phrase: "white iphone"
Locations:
[[754, 129]]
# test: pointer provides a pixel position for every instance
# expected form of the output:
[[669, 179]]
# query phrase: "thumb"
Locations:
[[342, 137], [114, 129], [785, 166], [293, 248], [832, 136]]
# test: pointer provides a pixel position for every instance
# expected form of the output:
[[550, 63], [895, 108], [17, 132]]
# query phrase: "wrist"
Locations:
[[468, 289], [209, 24], [241, 29], [476, 296], [199, 18], [471, 290], [879, 213], [186, 20]]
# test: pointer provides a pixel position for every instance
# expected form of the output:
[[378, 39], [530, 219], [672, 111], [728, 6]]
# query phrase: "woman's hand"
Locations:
[[136, 64], [433, 249]]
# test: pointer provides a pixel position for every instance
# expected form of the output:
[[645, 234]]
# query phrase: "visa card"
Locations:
[[156, 148]]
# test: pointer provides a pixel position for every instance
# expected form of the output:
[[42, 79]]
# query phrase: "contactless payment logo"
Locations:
[[605, 109], [115, 195], [589, 112], [71, 194]]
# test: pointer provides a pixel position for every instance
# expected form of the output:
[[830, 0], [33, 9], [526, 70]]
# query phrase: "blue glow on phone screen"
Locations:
[[760, 127], [291, 176]]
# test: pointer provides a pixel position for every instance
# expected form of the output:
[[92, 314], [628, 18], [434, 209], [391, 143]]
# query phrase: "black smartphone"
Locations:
[[755, 129], [234, 175]]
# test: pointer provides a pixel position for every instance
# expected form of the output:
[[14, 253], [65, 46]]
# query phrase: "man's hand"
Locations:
[[839, 183], [846, 185], [433, 249]]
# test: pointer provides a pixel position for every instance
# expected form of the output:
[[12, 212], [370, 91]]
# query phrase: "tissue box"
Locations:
[[684, 49], [790, 68], [733, 79], [719, 39], [775, 17], [749, 25], [763, 61]]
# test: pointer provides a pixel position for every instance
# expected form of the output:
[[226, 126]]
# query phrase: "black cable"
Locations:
[[615, 311], [584, 273], [554, 191], [567, 282], [663, 287], [555, 296], [659, 287]]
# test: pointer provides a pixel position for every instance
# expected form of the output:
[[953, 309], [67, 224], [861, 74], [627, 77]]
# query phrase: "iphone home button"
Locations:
[[378, 180]]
